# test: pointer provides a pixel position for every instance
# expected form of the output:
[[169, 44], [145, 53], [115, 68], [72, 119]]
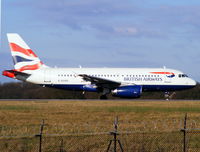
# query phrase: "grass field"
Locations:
[[75, 116]]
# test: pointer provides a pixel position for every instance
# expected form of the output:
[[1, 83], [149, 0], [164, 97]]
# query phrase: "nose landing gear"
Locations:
[[169, 96]]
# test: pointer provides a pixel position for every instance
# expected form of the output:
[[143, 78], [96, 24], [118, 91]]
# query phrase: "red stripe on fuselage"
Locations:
[[162, 73], [17, 48]]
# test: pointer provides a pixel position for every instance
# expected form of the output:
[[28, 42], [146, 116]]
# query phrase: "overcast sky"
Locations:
[[106, 33]]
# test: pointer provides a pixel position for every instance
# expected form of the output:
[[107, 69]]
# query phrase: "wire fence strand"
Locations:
[[131, 142]]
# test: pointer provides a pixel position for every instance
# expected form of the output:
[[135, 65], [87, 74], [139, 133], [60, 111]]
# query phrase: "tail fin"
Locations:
[[23, 57]]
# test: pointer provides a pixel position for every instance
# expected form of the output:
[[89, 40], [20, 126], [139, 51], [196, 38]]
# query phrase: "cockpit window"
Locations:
[[182, 75]]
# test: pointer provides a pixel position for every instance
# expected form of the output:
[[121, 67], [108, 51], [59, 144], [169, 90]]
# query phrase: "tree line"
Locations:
[[23, 90]]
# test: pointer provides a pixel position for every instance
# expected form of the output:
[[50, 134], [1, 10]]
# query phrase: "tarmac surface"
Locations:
[[85, 100]]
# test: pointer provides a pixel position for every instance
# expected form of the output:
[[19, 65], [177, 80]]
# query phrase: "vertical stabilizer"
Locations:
[[23, 57]]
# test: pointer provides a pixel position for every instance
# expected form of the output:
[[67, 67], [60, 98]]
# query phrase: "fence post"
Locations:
[[61, 146], [185, 134], [40, 135], [115, 140], [115, 133]]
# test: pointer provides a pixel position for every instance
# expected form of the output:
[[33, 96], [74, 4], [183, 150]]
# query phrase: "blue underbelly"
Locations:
[[144, 87]]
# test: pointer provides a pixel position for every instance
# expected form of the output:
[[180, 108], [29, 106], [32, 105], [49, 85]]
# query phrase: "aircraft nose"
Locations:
[[193, 82]]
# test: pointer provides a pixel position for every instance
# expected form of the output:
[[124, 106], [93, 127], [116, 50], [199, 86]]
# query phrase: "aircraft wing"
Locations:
[[100, 82]]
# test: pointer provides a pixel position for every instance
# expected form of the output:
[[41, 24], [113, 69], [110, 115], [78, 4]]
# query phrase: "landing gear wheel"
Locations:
[[103, 97], [167, 96]]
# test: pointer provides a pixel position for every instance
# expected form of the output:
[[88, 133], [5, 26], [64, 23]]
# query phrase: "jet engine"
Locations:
[[133, 91]]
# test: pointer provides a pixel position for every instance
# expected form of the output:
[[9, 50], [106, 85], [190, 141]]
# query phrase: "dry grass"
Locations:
[[24, 117]]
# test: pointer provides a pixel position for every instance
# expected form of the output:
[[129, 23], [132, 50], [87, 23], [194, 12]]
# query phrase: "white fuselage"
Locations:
[[150, 78]]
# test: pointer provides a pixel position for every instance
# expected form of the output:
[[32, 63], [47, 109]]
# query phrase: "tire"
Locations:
[[103, 97]]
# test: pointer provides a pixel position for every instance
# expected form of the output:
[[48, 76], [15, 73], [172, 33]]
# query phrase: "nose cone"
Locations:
[[192, 83]]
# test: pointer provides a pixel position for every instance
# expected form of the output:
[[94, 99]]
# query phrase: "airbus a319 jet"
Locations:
[[120, 82]]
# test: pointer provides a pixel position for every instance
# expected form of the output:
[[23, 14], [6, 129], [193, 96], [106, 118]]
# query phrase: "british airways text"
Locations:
[[142, 79]]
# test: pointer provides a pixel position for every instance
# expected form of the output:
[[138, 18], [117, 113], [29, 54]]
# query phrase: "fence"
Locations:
[[184, 140]]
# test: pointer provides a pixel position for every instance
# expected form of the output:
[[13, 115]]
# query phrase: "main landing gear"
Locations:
[[104, 94], [103, 97]]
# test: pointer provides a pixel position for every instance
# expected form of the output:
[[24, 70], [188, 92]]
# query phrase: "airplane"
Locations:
[[120, 82]]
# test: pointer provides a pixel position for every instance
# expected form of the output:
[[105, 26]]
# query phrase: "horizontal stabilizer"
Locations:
[[16, 74]]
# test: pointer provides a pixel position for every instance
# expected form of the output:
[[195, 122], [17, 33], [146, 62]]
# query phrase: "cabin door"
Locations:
[[47, 76]]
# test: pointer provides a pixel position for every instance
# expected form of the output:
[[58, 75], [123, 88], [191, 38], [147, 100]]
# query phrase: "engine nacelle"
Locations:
[[128, 91], [90, 87]]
